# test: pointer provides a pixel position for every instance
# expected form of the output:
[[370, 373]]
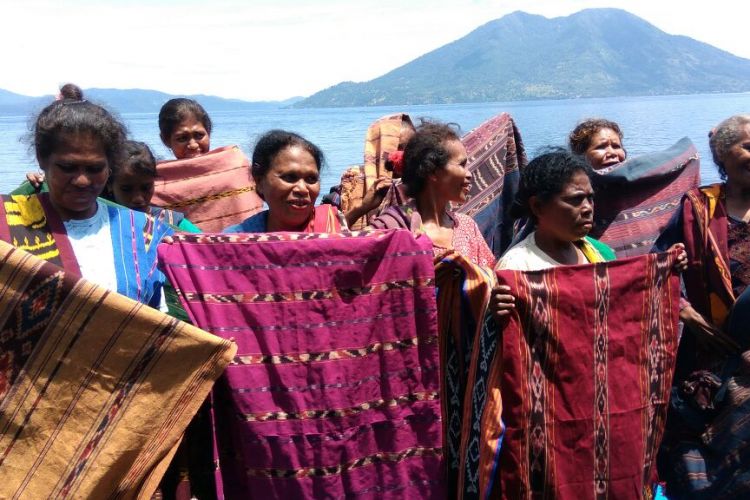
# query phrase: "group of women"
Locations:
[[90, 212]]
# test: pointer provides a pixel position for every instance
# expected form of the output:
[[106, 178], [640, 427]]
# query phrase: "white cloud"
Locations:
[[270, 49]]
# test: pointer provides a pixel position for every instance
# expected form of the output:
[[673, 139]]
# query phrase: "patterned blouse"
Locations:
[[467, 238]]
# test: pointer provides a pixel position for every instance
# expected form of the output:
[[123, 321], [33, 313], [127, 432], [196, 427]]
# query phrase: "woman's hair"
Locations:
[[580, 138], [425, 154], [137, 156], [545, 177], [272, 143], [71, 91], [723, 137], [406, 124], [174, 111], [58, 121]]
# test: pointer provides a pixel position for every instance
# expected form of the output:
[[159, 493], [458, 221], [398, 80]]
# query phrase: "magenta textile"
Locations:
[[334, 391]]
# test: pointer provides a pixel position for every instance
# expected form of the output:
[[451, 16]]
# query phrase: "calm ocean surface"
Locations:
[[649, 124]]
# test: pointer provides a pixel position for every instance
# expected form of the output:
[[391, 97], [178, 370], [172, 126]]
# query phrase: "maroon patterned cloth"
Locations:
[[635, 200], [588, 359]]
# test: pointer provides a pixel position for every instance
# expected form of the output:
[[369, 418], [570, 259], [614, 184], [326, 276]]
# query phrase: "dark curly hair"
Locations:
[[579, 139], [58, 121], [545, 177], [272, 143], [174, 111], [723, 137], [425, 153]]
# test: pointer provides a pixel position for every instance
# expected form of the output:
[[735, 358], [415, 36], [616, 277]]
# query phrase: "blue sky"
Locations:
[[275, 49]]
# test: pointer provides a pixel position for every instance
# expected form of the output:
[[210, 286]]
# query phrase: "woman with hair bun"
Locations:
[[77, 144]]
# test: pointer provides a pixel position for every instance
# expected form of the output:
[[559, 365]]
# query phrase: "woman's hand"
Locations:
[[707, 333], [681, 262], [36, 179], [374, 196], [501, 301], [372, 200]]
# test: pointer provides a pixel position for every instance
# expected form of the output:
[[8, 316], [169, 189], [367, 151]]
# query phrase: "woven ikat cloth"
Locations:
[[334, 391], [587, 368], [213, 191], [95, 388]]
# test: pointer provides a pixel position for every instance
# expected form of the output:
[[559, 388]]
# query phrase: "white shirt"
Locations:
[[92, 245], [526, 256]]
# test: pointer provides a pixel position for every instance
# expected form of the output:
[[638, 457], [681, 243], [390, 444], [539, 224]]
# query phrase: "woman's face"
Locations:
[[569, 215], [76, 173], [453, 182], [189, 139], [133, 189], [605, 149], [290, 188], [737, 159]]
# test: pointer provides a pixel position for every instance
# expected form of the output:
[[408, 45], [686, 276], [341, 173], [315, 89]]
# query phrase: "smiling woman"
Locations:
[[435, 175], [77, 143], [286, 169]]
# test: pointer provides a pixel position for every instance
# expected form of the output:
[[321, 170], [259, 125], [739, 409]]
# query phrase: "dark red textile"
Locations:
[[588, 360]]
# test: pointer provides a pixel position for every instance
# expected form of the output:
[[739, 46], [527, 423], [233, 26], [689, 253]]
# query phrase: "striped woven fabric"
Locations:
[[335, 389], [635, 200], [471, 367], [214, 190], [588, 360], [95, 389], [496, 155], [382, 139]]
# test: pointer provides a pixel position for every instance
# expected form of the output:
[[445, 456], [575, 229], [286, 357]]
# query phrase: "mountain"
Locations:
[[132, 101], [593, 53]]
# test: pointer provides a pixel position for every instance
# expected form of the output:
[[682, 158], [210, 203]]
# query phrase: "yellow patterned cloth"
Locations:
[[95, 389], [27, 223]]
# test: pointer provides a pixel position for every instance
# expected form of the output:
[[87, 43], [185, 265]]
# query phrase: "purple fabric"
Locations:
[[335, 388]]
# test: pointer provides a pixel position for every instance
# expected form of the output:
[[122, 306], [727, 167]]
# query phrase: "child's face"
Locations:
[[133, 189]]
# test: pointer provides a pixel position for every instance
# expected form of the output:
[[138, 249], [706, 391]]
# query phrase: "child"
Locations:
[[131, 184]]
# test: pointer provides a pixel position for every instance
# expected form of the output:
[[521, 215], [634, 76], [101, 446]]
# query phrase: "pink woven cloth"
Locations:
[[334, 391], [214, 190]]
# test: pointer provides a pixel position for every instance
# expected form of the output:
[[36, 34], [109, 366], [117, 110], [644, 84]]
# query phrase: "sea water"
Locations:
[[649, 124]]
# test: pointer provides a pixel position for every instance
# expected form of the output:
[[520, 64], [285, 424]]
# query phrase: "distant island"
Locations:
[[133, 101], [593, 53]]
